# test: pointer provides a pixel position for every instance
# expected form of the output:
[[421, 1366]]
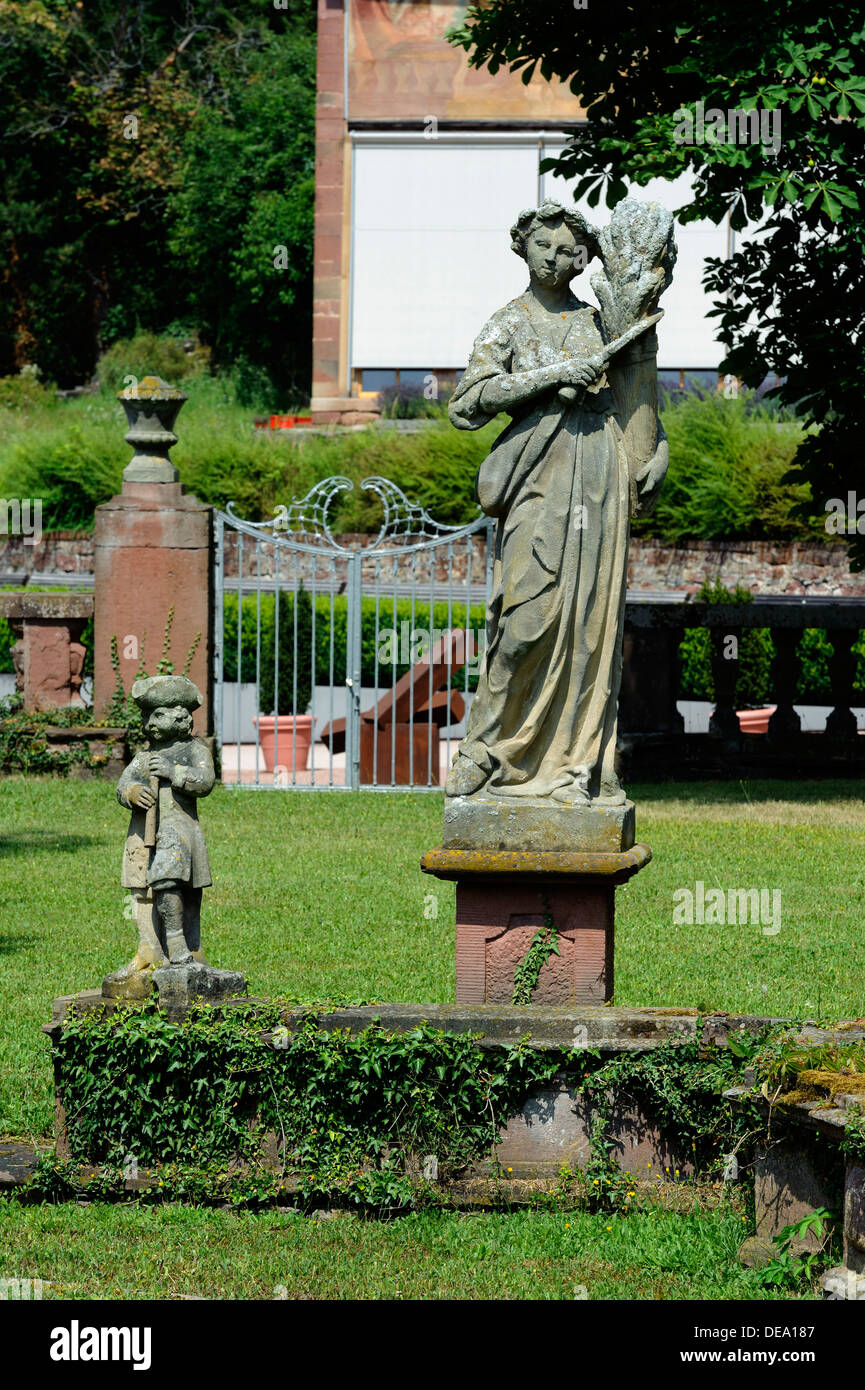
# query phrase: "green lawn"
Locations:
[[137, 1252], [320, 894]]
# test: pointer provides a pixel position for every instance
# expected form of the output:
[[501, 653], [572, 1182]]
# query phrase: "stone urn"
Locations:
[[293, 743]]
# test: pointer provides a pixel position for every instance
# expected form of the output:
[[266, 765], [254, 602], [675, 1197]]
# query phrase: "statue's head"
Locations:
[[168, 722], [556, 241], [166, 703]]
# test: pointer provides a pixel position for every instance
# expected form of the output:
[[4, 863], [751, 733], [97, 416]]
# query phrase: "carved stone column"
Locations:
[[724, 722], [785, 673], [841, 723]]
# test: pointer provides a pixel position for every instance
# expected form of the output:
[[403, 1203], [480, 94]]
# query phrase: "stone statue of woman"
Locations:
[[584, 450]]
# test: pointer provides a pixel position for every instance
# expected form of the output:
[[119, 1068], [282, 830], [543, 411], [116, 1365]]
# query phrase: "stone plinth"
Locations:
[[505, 896], [179, 986], [152, 550], [554, 1128], [489, 822]]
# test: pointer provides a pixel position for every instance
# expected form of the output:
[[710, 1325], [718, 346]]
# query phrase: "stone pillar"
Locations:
[[153, 550]]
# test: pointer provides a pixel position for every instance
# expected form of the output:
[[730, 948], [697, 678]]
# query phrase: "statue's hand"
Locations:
[[580, 372], [141, 796], [160, 765], [650, 477]]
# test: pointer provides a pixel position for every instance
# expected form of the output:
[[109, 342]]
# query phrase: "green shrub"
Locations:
[[331, 625], [25, 391], [756, 651], [293, 615], [7, 639], [756, 654], [147, 354], [728, 462], [728, 459]]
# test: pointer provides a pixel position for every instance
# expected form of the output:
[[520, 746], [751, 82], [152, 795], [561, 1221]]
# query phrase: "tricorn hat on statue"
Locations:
[[154, 691]]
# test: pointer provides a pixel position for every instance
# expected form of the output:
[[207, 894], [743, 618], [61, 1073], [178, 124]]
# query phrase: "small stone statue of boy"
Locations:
[[165, 861]]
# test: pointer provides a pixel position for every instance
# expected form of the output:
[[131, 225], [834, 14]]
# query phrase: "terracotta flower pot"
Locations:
[[295, 739], [755, 721]]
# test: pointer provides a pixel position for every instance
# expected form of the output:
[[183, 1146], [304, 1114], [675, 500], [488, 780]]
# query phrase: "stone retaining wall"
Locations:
[[764, 567]]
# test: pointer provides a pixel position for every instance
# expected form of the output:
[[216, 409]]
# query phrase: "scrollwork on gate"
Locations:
[[405, 522]]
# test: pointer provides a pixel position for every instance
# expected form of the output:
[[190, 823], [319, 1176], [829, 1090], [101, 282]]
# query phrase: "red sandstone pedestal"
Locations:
[[504, 897], [153, 553]]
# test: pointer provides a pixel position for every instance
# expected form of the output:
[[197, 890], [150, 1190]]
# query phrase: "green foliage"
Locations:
[[681, 1086], [108, 231], [789, 301], [724, 477], [241, 217], [729, 461], [356, 1115], [25, 748], [293, 617], [25, 391], [853, 1143], [543, 944], [798, 1271], [756, 652], [122, 710], [331, 618], [147, 354]]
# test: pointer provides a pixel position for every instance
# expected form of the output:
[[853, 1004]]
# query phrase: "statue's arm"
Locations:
[[489, 386], [650, 477], [512, 389], [132, 776], [197, 777]]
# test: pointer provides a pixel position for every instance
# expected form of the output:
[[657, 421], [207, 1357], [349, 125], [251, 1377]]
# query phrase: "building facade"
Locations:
[[422, 164]]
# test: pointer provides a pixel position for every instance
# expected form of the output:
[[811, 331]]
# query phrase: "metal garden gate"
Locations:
[[342, 665]]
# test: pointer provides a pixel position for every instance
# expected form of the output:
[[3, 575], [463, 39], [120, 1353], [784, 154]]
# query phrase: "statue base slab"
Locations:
[[505, 897], [488, 822], [179, 985]]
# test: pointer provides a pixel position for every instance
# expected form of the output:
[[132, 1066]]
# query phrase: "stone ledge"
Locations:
[[32, 607], [550, 864], [607, 1027]]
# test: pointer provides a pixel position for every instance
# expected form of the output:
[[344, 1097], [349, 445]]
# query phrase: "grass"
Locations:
[[129, 1252], [320, 894]]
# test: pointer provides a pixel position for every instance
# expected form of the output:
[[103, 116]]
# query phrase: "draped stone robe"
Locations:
[[544, 717]]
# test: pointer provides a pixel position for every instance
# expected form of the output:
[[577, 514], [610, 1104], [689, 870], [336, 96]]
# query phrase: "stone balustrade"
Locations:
[[651, 728]]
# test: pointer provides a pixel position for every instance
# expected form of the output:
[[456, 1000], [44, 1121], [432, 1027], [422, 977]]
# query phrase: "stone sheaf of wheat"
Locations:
[[638, 252]]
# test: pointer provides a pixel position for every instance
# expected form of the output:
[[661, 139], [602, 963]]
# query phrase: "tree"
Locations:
[[792, 298], [242, 215], [106, 111]]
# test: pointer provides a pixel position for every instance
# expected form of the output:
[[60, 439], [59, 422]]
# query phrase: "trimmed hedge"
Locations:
[[390, 616]]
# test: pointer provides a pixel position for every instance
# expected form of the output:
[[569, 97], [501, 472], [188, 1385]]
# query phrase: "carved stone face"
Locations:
[[168, 722], [554, 255]]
